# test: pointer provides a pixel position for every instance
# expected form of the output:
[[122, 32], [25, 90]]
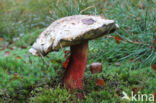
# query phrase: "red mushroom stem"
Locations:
[[76, 67]]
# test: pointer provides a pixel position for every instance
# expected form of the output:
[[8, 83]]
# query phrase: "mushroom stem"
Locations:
[[77, 64]]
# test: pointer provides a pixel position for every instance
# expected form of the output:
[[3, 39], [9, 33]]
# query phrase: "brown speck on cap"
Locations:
[[88, 21]]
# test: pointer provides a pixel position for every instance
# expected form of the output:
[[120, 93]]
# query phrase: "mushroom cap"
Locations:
[[72, 30]]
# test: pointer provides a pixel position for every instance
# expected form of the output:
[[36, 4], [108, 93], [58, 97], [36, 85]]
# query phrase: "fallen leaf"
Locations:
[[1, 39], [18, 57], [118, 91], [7, 53], [15, 75], [135, 90], [154, 66], [96, 68], [23, 47], [131, 60], [117, 39], [99, 82], [88, 21], [65, 64]]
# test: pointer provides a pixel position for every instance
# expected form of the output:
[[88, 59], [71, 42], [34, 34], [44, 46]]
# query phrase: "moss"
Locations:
[[52, 95]]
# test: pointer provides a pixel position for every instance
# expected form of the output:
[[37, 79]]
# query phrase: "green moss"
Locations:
[[52, 95]]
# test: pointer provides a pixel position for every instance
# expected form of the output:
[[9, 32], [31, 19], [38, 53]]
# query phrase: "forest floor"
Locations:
[[128, 56]]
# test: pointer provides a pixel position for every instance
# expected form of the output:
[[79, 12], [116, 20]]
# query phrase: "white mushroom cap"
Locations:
[[72, 30]]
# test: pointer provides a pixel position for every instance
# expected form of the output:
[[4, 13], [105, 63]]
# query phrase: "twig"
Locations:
[[43, 58], [129, 41], [86, 9]]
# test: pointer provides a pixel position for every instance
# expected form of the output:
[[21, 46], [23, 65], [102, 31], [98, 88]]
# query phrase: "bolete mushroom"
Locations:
[[74, 31]]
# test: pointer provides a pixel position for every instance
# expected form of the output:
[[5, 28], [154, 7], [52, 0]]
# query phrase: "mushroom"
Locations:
[[74, 31]]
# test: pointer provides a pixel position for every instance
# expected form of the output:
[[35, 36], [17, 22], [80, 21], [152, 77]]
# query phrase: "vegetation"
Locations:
[[128, 56]]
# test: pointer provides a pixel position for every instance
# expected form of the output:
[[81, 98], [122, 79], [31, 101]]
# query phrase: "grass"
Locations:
[[126, 66], [23, 76]]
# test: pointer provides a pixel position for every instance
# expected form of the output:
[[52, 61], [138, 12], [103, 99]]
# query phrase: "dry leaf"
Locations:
[[65, 64], [1, 39], [135, 90], [96, 68], [23, 47], [131, 60], [118, 39], [99, 82], [118, 91], [154, 66], [18, 57]]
